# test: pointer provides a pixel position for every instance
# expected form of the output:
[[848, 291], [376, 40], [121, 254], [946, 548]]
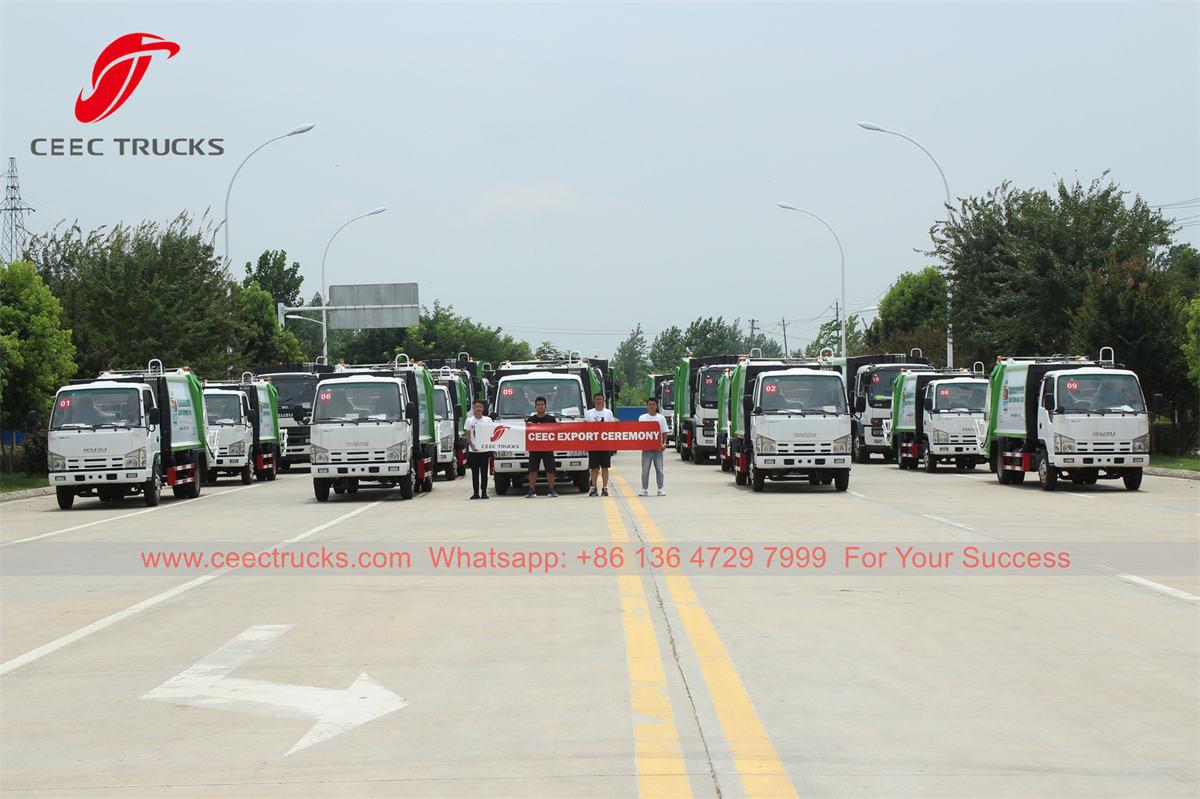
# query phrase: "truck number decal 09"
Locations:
[[1072, 386], [945, 392]]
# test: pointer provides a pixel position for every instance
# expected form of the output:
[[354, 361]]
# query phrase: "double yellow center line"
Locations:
[[661, 766]]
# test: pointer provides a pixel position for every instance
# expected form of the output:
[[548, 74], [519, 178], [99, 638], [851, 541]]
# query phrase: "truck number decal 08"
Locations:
[[945, 392]]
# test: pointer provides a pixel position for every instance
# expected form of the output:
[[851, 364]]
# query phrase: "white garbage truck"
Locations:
[[937, 417], [1067, 418], [295, 385], [128, 432], [869, 381], [566, 384], [374, 425], [695, 404], [457, 384], [243, 421], [788, 419]]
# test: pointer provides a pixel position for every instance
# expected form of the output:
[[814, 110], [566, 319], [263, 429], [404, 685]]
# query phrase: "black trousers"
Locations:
[[478, 462]]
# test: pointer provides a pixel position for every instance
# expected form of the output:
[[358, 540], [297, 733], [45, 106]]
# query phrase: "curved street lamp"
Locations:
[[790, 207], [325, 288]]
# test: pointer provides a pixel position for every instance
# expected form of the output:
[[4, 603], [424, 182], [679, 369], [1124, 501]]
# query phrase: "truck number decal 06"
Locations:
[[326, 395]]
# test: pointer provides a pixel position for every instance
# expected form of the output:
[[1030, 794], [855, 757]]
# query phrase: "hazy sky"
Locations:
[[569, 170]]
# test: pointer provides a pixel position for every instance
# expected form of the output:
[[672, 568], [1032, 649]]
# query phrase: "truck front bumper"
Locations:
[[230, 462], [1076, 460], [801, 462], [957, 451], [562, 463], [381, 471], [90, 479]]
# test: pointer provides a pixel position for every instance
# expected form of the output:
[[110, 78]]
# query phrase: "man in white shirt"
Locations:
[[599, 462], [477, 458], [653, 457]]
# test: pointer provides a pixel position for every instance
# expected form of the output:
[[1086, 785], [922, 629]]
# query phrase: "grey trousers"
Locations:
[[654, 457]]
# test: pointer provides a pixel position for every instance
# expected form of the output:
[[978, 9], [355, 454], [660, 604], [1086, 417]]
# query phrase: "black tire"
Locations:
[[192, 489], [427, 483], [700, 458], [739, 477], [931, 463], [1003, 476], [583, 482], [501, 484], [210, 476], [152, 488], [814, 479], [1016, 478], [321, 489], [451, 472], [1047, 472], [1132, 479], [338, 488], [284, 466], [758, 479], [841, 479], [406, 486], [352, 485], [272, 472], [247, 474], [65, 496]]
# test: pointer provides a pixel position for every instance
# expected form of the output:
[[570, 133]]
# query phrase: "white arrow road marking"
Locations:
[[208, 684]]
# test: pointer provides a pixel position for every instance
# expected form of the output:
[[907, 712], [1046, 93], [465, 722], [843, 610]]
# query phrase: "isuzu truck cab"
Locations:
[[1067, 418], [869, 384], [295, 385], [128, 432], [566, 385], [447, 432], [695, 405], [231, 424], [937, 417], [262, 440], [374, 424], [793, 423]]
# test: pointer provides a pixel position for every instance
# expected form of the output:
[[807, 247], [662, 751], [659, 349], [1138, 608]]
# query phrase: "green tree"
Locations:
[[666, 349], [261, 341], [713, 336], [439, 333], [630, 363], [36, 353], [273, 274], [770, 347], [1018, 260], [829, 336], [1191, 344], [1181, 262], [915, 302]]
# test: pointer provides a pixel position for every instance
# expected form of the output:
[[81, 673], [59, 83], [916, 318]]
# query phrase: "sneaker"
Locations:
[[593, 492], [643, 493], [604, 491], [552, 493], [528, 495], [662, 493]]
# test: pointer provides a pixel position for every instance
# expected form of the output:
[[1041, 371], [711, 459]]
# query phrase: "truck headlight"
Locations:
[[1063, 443], [940, 436], [764, 445], [135, 459], [841, 445], [237, 448], [56, 462], [398, 452], [1142, 443], [318, 454]]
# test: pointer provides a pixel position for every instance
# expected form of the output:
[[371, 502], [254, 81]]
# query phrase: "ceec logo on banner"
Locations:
[[117, 73]]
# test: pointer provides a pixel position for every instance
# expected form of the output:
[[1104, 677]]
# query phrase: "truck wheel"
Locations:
[[841, 480], [192, 489], [406, 486], [856, 453], [451, 472], [699, 458], [338, 488], [1016, 478], [65, 496], [501, 485], [814, 479], [247, 474], [210, 476], [321, 490], [427, 483], [1047, 472], [758, 479], [352, 486], [284, 466], [931, 463], [739, 477], [1132, 479], [274, 470], [152, 488]]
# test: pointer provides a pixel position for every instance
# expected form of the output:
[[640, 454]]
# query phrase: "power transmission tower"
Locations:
[[12, 245]]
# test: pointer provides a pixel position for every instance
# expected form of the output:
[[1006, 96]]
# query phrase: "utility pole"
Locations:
[[783, 322], [837, 315], [753, 323], [12, 242]]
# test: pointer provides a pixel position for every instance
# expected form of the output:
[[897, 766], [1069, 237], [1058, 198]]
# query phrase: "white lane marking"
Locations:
[[1077, 496], [947, 521], [122, 516], [973, 476], [1166, 590], [855, 493], [158, 599], [208, 684]]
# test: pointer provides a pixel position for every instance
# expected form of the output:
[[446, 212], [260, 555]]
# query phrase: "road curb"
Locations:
[[26, 493], [1186, 474]]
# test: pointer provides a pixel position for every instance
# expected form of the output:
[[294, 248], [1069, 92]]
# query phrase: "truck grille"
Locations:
[[788, 448], [1102, 447], [358, 456], [94, 463], [298, 436]]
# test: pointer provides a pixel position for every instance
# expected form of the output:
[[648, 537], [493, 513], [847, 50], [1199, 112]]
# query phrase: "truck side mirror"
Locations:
[[252, 415], [410, 411], [1048, 402], [1156, 403], [748, 404], [298, 414], [153, 416], [860, 403], [929, 403], [32, 423]]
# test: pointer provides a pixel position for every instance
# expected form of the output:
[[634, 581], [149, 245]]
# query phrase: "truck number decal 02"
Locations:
[[770, 388], [184, 431]]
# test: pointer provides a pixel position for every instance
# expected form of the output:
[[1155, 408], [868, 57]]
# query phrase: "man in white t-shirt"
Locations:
[[477, 458], [599, 462], [653, 457]]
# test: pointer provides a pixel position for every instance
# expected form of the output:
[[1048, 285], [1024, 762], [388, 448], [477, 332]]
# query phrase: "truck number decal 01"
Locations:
[[65, 402]]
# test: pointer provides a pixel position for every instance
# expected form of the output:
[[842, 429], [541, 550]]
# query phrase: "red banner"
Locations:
[[598, 436]]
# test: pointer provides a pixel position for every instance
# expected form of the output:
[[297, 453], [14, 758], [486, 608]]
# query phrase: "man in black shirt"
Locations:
[[546, 458]]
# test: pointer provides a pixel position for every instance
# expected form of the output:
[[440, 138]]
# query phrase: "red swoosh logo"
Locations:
[[118, 71], [498, 431]]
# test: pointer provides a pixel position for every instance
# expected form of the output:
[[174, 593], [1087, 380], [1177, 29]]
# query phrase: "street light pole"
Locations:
[[305, 128], [325, 287], [788, 207], [950, 205]]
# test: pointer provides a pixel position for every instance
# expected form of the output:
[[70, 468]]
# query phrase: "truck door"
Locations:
[[1045, 405]]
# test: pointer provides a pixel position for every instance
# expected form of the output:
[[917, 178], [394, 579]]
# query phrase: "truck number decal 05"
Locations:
[[507, 391]]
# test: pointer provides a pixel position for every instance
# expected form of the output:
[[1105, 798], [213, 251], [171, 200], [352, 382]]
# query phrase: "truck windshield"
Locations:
[[708, 389], [1099, 393], [802, 394], [877, 386], [295, 389], [516, 396], [960, 397], [223, 408], [358, 402], [96, 407], [441, 405], [668, 396]]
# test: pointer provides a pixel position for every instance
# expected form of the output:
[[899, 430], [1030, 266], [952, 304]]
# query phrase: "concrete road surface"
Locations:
[[774, 651]]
